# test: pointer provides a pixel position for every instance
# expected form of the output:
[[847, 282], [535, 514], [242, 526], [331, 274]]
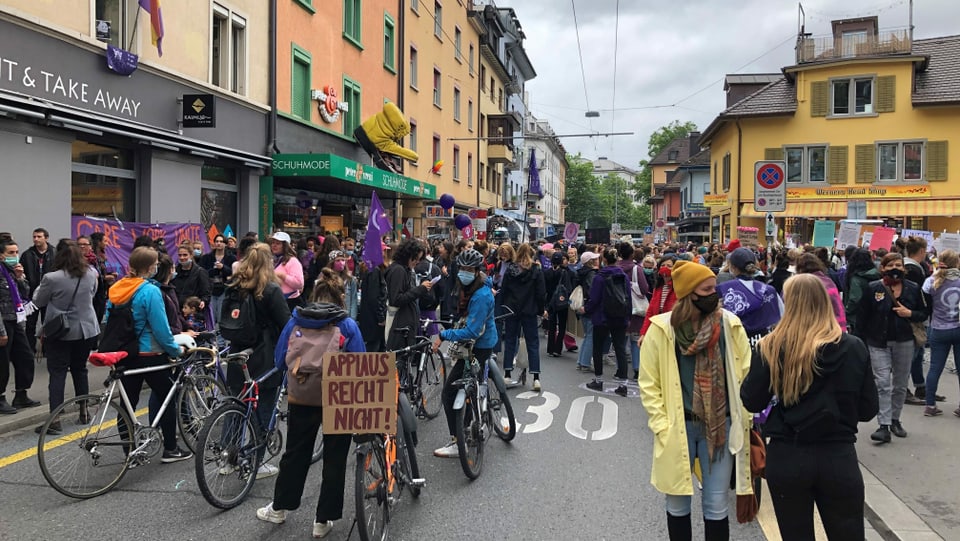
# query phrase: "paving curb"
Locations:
[[891, 518]]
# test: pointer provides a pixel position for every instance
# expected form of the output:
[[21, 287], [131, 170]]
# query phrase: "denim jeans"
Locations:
[[891, 369], [940, 340], [586, 347], [634, 350], [716, 477], [513, 327]]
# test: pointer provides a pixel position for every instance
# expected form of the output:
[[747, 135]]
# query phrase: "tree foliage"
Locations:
[[600, 202], [655, 145]]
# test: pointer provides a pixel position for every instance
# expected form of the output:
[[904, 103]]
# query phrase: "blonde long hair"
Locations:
[[808, 323], [950, 260], [525, 255], [255, 270]]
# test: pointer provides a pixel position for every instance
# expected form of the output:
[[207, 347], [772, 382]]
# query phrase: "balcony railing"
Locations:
[[885, 42]]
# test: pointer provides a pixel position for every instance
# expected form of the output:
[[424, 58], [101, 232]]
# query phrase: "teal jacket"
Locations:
[[149, 314], [480, 325]]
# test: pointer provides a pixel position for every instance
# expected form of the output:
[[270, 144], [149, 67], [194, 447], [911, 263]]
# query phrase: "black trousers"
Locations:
[[449, 393], [67, 356], [555, 330], [618, 336], [18, 353], [302, 427], [827, 474], [160, 383]]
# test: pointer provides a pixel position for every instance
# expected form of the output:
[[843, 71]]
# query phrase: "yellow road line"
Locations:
[[25, 454]]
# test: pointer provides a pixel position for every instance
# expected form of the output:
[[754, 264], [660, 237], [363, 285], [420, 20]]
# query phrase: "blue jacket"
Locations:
[[317, 316], [149, 314], [594, 305], [480, 325]]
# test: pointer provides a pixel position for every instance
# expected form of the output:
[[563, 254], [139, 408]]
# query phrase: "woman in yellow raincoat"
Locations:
[[692, 362]]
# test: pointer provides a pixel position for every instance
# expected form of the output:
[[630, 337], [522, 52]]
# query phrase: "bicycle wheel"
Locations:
[[196, 400], [227, 461], [370, 491], [407, 457], [317, 447], [499, 407], [430, 381], [469, 428], [92, 458]]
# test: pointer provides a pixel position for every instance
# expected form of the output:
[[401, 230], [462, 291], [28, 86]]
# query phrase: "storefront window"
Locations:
[[103, 181], [218, 201]]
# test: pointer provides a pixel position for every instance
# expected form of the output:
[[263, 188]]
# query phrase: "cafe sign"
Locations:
[[331, 165], [720, 200], [858, 192]]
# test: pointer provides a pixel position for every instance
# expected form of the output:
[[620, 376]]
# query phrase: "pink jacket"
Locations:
[[292, 282], [834, 299]]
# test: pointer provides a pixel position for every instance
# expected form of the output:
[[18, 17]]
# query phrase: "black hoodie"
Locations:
[[524, 290], [844, 385]]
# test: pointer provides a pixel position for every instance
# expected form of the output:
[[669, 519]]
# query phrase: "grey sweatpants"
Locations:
[[891, 370]]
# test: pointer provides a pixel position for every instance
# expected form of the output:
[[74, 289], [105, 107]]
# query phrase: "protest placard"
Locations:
[[749, 236], [950, 241], [867, 237], [359, 393], [849, 234], [824, 232], [882, 238]]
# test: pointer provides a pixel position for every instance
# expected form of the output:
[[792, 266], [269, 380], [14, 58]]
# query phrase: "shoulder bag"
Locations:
[[55, 328], [919, 328], [640, 302]]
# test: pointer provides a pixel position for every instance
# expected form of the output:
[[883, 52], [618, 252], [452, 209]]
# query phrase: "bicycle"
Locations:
[[422, 372], [385, 465], [233, 440], [106, 438]]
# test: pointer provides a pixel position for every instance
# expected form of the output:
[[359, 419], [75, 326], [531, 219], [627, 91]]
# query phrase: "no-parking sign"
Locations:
[[770, 190]]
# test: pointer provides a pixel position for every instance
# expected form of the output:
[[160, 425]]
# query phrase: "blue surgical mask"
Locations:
[[349, 252], [11, 261], [466, 277], [197, 253]]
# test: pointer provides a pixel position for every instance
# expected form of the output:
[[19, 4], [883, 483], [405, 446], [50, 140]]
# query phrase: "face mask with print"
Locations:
[[466, 277], [339, 265]]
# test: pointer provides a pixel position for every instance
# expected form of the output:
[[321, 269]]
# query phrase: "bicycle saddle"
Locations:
[[106, 358], [402, 330]]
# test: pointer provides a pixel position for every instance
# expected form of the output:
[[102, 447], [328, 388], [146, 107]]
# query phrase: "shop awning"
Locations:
[[875, 209], [802, 209], [338, 167]]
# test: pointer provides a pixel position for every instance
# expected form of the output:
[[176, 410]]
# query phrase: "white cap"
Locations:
[[281, 236]]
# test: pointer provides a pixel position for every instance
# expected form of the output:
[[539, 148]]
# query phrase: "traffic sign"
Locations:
[[648, 230], [771, 226], [770, 190]]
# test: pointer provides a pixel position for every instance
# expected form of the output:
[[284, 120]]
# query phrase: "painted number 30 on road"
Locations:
[[574, 424]]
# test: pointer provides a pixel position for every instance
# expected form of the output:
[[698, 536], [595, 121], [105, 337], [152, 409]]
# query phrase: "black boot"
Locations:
[[679, 528], [716, 530], [5, 407], [920, 392], [21, 400]]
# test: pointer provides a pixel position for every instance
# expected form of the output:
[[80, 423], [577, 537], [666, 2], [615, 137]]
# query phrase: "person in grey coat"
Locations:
[[69, 352]]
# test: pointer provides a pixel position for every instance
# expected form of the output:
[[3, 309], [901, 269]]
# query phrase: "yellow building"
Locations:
[[864, 115]]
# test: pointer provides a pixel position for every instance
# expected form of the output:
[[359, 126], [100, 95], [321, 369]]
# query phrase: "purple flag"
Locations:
[[534, 175], [378, 225]]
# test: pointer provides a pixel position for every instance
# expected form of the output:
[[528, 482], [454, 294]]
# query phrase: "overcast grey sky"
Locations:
[[668, 51]]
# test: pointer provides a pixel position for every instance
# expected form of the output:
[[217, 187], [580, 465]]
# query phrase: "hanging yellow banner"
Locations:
[[858, 192]]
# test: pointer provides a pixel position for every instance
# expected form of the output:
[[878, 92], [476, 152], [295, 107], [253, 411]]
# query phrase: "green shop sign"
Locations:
[[331, 165]]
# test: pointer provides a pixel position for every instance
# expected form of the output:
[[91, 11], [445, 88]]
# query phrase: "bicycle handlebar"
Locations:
[[414, 347]]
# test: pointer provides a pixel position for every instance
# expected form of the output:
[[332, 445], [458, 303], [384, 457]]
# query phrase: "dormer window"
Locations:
[[852, 96], [673, 155]]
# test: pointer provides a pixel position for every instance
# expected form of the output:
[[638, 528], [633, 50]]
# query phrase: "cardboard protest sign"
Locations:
[[749, 236], [823, 233], [359, 393]]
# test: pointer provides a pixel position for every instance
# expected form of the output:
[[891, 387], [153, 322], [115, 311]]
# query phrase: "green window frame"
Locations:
[[352, 95], [300, 78], [389, 44], [307, 5], [352, 16]]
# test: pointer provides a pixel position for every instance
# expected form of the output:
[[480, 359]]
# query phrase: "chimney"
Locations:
[[694, 142]]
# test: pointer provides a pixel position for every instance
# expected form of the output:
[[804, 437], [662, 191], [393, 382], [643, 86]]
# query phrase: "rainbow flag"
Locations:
[[156, 22]]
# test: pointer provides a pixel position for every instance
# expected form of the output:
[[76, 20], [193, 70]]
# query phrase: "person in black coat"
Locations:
[[372, 314], [558, 282], [524, 292], [191, 280], [404, 293], [428, 269], [219, 264], [825, 386]]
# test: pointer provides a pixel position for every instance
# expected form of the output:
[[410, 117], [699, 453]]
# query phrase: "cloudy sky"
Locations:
[[672, 56]]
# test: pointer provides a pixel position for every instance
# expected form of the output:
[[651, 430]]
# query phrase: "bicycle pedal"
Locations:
[[418, 482]]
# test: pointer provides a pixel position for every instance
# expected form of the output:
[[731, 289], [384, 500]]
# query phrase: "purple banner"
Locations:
[[534, 188], [119, 237]]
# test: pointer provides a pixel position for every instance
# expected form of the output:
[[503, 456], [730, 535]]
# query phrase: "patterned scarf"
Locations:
[[709, 377]]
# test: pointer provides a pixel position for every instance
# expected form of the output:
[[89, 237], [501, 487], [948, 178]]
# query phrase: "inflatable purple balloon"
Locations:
[[461, 221], [447, 201]]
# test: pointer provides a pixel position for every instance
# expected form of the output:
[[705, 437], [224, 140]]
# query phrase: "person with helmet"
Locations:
[[476, 305]]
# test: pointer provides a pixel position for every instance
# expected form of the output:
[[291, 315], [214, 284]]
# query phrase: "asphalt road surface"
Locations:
[[578, 469]]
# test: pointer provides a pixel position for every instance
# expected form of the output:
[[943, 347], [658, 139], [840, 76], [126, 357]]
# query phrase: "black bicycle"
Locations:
[[421, 371]]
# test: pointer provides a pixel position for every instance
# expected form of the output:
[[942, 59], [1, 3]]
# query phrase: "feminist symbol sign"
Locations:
[[770, 188]]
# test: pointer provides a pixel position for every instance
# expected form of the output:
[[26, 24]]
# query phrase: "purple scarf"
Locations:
[[14, 290]]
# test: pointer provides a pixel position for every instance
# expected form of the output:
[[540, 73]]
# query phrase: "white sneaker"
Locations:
[[321, 529], [267, 470], [270, 514], [536, 385], [448, 451]]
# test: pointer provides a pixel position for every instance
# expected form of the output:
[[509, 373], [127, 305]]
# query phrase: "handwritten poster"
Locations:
[[118, 237], [823, 233], [950, 241], [360, 393], [749, 236], [849, 235], [882, 238]]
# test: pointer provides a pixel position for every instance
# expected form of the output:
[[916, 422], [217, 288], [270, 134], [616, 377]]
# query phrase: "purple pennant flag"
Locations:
[[378, 225], [534, 175]]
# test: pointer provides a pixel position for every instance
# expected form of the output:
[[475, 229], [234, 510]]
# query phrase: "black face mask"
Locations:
[[707, 303], [895, 274]]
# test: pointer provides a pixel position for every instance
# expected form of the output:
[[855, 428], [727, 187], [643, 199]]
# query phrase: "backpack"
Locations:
[[305, 350], [616, 303], [238, 319], [562, 291], [119, 333]]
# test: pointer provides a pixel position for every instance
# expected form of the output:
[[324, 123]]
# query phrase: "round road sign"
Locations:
[[770, 176]]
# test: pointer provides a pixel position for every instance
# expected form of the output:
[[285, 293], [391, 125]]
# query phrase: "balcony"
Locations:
[[499, 152], [881, 43]]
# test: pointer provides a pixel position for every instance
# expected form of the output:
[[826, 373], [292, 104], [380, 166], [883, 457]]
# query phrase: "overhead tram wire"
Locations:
[[613, 101], [583, 73]]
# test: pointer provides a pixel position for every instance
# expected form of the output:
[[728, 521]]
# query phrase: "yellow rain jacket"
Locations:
[[662, 397]]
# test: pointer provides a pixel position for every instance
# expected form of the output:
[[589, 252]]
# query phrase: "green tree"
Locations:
[[582, 191], [657, 142]]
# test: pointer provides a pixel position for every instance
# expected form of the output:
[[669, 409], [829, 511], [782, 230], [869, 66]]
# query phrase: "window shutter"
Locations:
[[819, 98], [936, 161], [886, 93], [837, 172], [773, 154], [866, 164], [299, 106]]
